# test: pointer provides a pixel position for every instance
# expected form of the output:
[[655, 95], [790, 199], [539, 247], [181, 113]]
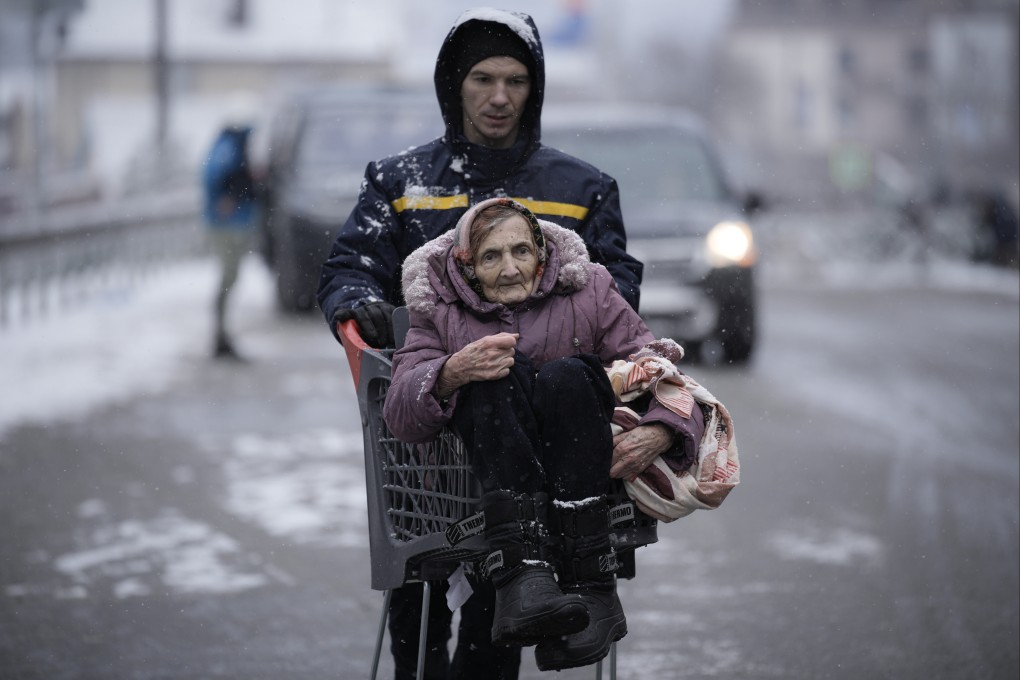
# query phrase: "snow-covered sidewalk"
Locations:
[[120, 344]]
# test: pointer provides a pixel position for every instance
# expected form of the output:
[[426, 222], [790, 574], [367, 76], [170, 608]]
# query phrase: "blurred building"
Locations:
[[818, 95], [818, 91], [121, 86], [138, 85], [126, 90], [219, 59], [32, 34]]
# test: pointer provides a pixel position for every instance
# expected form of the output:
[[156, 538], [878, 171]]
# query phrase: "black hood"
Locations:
[[448, 84]]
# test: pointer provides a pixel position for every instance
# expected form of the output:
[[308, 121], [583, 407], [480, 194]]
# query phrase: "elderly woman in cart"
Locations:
[[512, 331]]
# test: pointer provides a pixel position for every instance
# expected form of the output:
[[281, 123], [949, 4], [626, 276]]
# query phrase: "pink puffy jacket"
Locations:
[[576, 308]]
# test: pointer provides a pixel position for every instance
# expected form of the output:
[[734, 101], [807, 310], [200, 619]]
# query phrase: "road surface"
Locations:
[[216, 528]]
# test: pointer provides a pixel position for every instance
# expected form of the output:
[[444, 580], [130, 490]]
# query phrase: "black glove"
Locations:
[[375, 322]]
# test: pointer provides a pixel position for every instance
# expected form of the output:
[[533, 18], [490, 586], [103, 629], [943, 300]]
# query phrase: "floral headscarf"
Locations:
[[462, 240]]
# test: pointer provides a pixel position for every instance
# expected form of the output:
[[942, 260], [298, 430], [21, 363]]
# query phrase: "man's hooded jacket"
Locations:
[[410, 198]]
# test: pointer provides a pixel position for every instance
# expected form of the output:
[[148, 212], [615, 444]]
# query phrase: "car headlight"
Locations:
[[730, 243]]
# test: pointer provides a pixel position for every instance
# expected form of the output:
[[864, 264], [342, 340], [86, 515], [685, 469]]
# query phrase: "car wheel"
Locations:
[[737, 330], [266, 245], [291, 289]]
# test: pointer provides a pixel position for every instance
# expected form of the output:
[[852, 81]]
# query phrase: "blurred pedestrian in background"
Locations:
[[231, 215], [490, 82], [998, 228]]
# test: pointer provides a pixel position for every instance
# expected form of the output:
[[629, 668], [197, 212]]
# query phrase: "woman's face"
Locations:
[[506, 262]]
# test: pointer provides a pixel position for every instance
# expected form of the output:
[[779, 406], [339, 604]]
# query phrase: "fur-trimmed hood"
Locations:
[[429, 273]]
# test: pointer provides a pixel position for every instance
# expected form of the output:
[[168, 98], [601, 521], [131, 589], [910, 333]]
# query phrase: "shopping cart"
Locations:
[[418, 492]]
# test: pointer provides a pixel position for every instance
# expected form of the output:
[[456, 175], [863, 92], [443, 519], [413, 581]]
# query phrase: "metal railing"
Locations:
[[75, 254]]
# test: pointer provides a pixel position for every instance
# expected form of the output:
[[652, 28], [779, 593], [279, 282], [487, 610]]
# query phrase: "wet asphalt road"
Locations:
[[218, 530]]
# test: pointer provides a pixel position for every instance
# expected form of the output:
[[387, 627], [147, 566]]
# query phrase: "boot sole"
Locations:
[[618, 632], [568, 618]]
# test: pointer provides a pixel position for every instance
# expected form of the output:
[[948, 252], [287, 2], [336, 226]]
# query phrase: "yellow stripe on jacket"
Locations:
[[546, 208]]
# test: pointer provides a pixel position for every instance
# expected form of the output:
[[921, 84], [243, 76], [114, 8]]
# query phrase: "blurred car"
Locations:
[[313, 156], [684, 221]]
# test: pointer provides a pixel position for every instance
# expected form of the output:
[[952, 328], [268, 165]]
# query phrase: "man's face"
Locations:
[[493, 96]]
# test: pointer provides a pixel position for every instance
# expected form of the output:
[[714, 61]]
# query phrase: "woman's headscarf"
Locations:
[[462, 254]]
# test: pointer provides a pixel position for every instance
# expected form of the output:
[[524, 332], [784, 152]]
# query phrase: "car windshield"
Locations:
[[352, 138], [652, 165]]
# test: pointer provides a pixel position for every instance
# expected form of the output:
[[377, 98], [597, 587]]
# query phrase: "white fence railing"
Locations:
[[76, 253]]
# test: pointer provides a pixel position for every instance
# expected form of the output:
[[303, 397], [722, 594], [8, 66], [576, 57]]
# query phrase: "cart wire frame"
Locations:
[[416, 492]]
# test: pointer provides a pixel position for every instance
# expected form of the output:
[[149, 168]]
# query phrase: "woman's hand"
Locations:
[[489, 358], [635, 450]]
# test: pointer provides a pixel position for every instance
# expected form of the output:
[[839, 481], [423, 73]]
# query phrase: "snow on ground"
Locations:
[[118, 345], [191, 557], [308, 486], [127, 343]]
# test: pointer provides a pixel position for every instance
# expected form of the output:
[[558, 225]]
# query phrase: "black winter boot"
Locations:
[[587, 565], [529, 604]]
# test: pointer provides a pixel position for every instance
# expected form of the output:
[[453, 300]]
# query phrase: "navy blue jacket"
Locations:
[[412, 197]]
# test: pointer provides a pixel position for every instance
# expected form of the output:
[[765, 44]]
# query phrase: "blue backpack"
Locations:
[[228, 175]]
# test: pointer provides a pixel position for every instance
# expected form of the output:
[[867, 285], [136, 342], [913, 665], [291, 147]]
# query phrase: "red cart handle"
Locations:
[[350, 338]]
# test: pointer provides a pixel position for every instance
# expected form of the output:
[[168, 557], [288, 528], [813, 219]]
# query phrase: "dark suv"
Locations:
[[318, 144], [683, 219]]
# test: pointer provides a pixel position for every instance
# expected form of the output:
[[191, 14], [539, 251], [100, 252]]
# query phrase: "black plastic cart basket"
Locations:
[[417, 492]]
